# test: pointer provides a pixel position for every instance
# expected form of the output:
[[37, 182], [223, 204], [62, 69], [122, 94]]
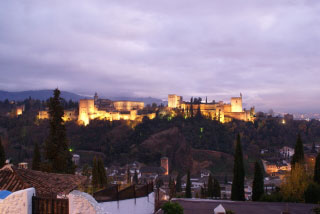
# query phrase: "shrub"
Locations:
[[172, 208]]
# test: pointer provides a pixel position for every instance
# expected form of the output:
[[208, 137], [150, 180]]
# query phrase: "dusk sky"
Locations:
[[267, 50]]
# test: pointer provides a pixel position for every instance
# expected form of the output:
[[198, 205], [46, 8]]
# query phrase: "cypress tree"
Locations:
[[36, 159], [128, 176], [178, 183], [135, 177], [298, 156], [56, 147], [198, 115], [191, 107], [2, 155], [102, 177], [172, 188], [216, 189], [316, 177], [188, 187], [258, 183], [237, 192], [95, 173], [210, 187]]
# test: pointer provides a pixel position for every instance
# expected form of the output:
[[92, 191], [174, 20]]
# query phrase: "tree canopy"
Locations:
[[56, 147]]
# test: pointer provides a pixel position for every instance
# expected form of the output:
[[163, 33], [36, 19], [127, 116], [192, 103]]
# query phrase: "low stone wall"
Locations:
[[83, 203], [18, 202]]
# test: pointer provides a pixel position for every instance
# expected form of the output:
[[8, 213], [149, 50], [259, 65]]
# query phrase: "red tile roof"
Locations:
[[50, 184]]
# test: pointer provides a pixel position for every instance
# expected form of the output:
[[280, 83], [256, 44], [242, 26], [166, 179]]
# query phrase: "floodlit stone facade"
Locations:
[[103, 109], [224, 112], [174, 101]]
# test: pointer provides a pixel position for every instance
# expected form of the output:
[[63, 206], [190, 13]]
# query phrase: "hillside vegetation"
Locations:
[[189, 143]]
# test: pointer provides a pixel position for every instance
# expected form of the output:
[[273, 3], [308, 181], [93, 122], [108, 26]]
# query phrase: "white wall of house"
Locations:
[[83, 203], [18, 202], [143, 205]]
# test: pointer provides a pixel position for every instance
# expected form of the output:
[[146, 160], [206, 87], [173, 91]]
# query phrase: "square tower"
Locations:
[[174, 101], [165, 164], [236, 104]]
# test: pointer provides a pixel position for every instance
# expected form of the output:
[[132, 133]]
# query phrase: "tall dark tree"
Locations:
[[198, 115], [210, 187], [258, 183], [191, 107], [178, 183], [36, 159], [95, 173], [298, 156], [172, 187], [216, 189], [237, 192], [135, 177], [56, 148], [316, 177], [188, 187], [102, 177], [2, 155], [128, 176]]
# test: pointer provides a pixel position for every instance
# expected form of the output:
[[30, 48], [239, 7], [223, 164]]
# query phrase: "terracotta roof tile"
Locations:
[[14, 179]]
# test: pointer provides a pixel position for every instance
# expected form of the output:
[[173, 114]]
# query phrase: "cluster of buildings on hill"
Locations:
[[224, 112], [105, 109], [278, 164]]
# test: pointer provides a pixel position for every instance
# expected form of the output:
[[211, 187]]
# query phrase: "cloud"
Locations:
[[268, 50]]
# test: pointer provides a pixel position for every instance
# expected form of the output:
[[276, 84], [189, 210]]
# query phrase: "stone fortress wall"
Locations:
[[224, 112], [102, 109]]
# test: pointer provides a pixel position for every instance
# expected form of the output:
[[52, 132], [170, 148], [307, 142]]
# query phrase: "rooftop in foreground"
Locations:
[[205, 206]]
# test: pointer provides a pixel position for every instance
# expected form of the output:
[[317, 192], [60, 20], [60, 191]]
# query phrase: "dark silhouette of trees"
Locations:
[[36, 159], [135, 177], [216, 189], [316, 177], [237, 192], [56, 147], [99, 177], [178, 183], [95, 174], [188, 193], [298, 156], [102, 176], [210, 186], [258, 183]]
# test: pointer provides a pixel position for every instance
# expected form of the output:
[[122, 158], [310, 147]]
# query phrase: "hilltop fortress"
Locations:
[[105, 109], [224, 112]]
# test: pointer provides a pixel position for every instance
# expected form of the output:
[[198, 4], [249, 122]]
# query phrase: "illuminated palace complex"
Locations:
[[103, 109], [224, 112]]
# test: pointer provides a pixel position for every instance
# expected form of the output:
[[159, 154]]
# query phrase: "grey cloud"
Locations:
[[265, 49]]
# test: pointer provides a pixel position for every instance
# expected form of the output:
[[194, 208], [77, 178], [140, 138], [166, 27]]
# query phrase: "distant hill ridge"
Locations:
[[37, 94], [46, 94]]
